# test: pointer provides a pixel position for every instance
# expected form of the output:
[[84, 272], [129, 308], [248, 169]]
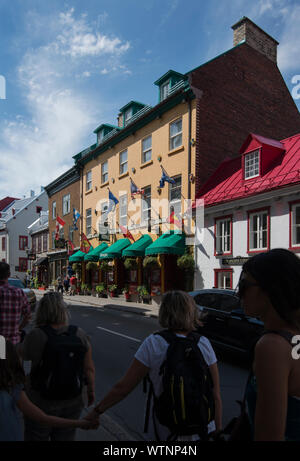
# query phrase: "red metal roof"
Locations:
[[6, 201], [227, 183]]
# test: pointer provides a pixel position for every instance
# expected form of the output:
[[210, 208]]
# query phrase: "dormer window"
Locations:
[[100, 136], [128, 114], [251, 165], [164, 90]]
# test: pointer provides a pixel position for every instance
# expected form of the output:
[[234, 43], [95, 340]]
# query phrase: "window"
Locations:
[[39, 244], [3, 243], [164, 90], [146, 207], [89, 181], [71, 233], [45, 242], [23, 265], [53, 210], [295, 224], [66, 204], [223, 229], [88, 221], [123, 210], [252, 164], [123, 162], [176, 134], [258, 223], [103, 223], [100, 136], [39, 209], [127, 115], [23, 242], [104, 172], [33, 244], [223, 279], [147, 149], [53, 240], [175, 196]]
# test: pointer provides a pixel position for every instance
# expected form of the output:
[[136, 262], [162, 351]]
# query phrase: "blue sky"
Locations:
[[71, 66]]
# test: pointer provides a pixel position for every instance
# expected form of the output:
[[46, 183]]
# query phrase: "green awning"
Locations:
[[115, 250], [170, 243], [138, 248], [78, 257], [95, 253]]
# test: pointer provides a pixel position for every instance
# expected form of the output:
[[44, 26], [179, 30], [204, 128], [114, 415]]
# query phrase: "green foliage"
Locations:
[[112, 288], [100, 288], [150, 263], [186, 262], [130, 263], [91, 266], [84, 287], [142, 291], [125, 289], [104, 266], [76, 267]]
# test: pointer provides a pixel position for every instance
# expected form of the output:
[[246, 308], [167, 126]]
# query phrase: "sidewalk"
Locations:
[[118, 303]]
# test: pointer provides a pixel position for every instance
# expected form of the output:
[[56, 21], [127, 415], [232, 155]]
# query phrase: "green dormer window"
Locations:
[[164, 90], [103, 130], [127, 112], [168, 83]]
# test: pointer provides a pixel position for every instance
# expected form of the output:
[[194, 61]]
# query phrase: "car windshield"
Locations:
[[16, 283]]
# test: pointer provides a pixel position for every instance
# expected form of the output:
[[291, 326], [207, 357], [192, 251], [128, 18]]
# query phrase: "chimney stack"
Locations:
[[246, 31]]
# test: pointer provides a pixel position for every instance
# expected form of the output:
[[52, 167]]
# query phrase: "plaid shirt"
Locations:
[[13, 306]]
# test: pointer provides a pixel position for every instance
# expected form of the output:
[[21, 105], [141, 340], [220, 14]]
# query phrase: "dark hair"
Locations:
[[278, 273], [11, 371], [4, 271]]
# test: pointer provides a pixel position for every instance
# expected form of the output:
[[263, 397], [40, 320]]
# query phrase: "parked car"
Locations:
[[225, 323], [29, 293]]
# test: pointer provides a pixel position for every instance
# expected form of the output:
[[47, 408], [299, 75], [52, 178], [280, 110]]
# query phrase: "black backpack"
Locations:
[[186, 404], [59, 375]]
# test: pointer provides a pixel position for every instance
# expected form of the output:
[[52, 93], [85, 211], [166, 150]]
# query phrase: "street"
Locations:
[[115, 337]]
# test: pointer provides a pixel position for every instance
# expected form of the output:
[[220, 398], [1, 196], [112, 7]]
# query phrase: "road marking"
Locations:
[[119, 334]]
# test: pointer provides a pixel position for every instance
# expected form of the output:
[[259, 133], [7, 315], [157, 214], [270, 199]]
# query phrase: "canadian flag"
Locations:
[[59, 225]]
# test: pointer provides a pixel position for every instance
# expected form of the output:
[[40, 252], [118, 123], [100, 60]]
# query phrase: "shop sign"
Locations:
[[238, 261]]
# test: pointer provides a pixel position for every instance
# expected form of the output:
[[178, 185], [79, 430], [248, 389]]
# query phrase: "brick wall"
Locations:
[[243, 92]]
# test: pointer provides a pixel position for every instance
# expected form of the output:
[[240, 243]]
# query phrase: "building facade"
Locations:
[[252, 205], [37, 254]]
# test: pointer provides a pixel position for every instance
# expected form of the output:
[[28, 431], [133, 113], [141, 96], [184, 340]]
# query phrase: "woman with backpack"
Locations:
[[269, 288], [14, 401], [61, 365], [182, 369]]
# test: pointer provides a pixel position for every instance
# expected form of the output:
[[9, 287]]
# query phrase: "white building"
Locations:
[[38, 246], [252, 205], [14, 239]]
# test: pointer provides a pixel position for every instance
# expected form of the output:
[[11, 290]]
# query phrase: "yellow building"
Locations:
[[146, 141]]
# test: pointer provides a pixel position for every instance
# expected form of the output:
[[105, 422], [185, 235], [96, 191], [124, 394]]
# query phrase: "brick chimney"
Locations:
[[246, 31]]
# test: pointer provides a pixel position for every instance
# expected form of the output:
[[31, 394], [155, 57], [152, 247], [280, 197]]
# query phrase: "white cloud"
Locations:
[[37, 149], [288, 50]]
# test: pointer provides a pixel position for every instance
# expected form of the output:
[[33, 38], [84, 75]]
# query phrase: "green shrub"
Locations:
[[186, 262], [112, 288], [130, 263], [150, 262]]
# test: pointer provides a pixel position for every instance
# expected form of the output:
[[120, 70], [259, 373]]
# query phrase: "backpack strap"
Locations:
[[168, 335], [72, 330]]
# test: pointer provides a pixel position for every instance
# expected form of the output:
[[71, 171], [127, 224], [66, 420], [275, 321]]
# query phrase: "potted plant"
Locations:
[[126, 293], [151, 263], [130, 264], [83, 289], [143, 294], [104, 266], [101, 291], [186, 263], [91, 266], [112, 290]]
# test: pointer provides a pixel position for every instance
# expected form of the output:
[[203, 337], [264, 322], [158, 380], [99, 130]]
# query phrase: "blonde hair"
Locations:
[[178, 312], [52, 310]]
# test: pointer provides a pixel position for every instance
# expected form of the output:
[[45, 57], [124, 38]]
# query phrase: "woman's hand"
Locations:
[[88, 424]]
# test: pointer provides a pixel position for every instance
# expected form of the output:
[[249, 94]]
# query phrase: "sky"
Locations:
[[70, 66]]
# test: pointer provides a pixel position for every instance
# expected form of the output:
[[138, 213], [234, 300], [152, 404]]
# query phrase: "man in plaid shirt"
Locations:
[[14, 307]]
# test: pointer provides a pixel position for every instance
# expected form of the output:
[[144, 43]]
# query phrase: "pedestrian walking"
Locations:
[[269, 289], [178, 314], [60, 287], [66, 283], [73, 284], [13, 400], [15, 310], [62, 368]]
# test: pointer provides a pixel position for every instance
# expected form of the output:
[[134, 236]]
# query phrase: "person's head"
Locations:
[[178, 312], [4, 271], [11, 370], [52, 310], [271, 280]]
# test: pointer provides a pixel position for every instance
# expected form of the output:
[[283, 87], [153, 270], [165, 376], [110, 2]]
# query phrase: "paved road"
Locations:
[[115, 337]]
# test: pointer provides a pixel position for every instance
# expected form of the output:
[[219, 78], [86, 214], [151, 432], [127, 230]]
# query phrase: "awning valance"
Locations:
[[138, 248], [172, 243], [115, 250], [40, 261], [95, 253], [79, 256]]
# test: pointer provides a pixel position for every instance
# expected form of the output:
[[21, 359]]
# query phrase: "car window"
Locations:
[[15, 283], [228, 303], [206, 299]]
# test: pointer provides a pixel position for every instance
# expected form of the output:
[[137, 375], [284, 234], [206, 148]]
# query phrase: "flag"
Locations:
[[76, 216], [59, 225], [165, 178], [126, 233], [70, 248], [85, 244], [134, 189], [172, 219], [114, 199]]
